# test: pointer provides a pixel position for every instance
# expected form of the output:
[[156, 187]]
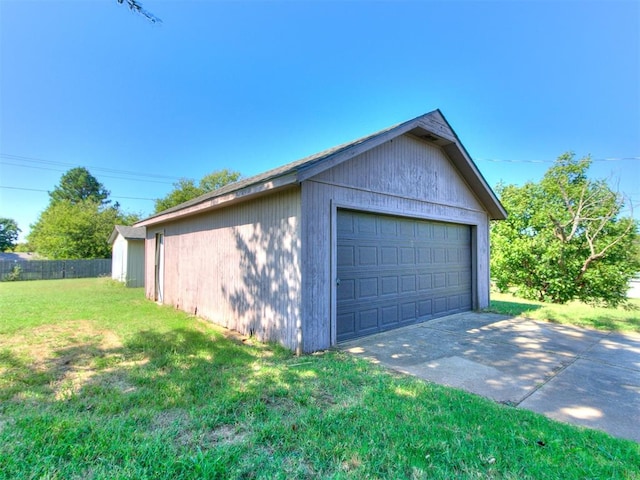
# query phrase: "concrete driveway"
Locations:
[[571, 374]]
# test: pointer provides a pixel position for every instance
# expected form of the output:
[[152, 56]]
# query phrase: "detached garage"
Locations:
[[386, 231]]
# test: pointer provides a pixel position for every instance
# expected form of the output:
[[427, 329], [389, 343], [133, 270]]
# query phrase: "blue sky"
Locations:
[[253, 85]]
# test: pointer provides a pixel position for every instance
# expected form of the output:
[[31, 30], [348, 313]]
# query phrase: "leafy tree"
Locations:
[[564, 238], [78, 221], [186, 189], [78, 185], [8, 234], [74, 230]]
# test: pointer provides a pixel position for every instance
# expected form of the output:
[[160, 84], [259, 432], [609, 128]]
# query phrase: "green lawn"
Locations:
[[96, 382], [574, 313]]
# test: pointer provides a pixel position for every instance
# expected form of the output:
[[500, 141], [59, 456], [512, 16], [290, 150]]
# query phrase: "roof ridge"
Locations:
[[285, 169]]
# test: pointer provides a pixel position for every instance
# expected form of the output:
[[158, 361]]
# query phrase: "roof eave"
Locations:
[[212, 203], [113, 236]]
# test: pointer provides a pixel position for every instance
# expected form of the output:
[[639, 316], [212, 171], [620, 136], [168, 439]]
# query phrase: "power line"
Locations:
[[102, 175], [94, 168], [612, 159], [46, 191]]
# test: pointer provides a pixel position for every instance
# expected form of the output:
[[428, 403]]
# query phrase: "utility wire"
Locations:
[[612, 159], [101, 175], [94, 168], [46, 191]]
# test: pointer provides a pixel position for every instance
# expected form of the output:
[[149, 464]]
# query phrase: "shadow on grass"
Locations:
[[181, 368], [187, 403], [512, 308]]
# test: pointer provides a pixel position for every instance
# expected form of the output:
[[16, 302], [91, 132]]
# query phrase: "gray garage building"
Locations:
[[389, 230]]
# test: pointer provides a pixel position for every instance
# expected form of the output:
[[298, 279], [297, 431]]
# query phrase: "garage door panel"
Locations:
[[368, 320], [439, 280], [368, 287], [439, 255], [388, 227], [424, 308], [453, 303], [439, 305], [345, 224], [389, 285], [407, 228], [408, 311], [465, 302], [397, 271], [389, 315], [366, 224], [425, 282], [346, 324], [388, 255], [423, 255], [439, 232], [346, 290], [407, 256], [408, 283], [367, 256], [346, 255]]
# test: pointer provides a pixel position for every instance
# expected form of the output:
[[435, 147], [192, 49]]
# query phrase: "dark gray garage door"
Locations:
[[396, 271]]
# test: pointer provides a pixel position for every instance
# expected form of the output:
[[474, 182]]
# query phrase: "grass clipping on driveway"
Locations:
[[97, 382]]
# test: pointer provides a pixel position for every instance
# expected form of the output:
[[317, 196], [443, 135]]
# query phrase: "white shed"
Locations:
[[127, 259]]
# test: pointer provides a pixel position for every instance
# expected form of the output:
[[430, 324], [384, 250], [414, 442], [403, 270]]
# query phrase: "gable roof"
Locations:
[[129, 233], [432, 127]]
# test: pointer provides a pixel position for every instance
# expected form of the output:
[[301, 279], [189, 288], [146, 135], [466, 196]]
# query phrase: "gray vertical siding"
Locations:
[[238, 266], [135, 263], [406, 177]]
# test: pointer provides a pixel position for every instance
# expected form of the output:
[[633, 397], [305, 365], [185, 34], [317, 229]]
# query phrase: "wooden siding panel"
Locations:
[[316, 267], [408, 167], [135, 263], [238, 267]]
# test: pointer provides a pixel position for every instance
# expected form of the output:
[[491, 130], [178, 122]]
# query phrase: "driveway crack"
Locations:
[[562, 368]]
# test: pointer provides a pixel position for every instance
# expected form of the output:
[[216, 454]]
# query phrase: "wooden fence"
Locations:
[[53, 269]]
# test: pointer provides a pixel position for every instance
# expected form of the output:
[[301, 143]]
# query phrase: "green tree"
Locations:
[[78, 221], [565, 238], [8, 234], [186, 189], [74, 230], [78, 185]]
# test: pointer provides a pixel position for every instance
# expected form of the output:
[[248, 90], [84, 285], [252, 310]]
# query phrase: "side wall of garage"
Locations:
[[405, 177], [237, 266]]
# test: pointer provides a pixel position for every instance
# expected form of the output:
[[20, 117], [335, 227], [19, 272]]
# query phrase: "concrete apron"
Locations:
[[571, 374]]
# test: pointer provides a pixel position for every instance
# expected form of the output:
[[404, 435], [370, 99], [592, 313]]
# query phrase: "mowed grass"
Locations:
[[97, 382], [622, 319]]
